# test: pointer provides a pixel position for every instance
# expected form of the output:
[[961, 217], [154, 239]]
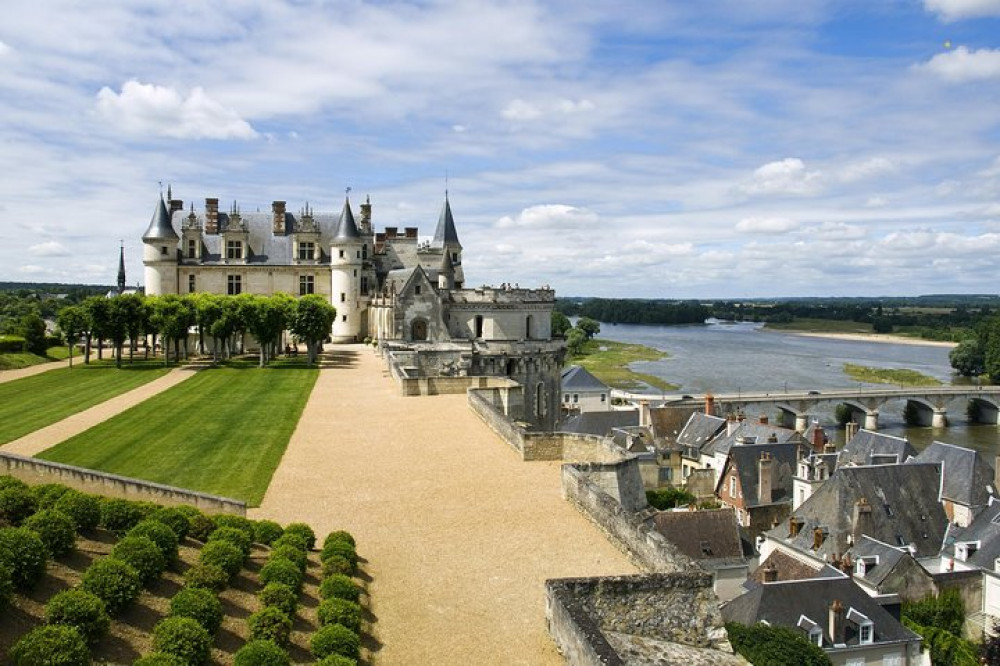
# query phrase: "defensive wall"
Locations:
[[34, 471]]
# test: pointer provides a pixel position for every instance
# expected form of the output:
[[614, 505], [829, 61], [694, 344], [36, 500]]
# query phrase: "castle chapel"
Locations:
[[438, 335]]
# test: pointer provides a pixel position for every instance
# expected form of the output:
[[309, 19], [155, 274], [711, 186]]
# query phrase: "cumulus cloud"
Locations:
[[787, 176], [954, 10], [49, 249], [4, 49], [519, 110], [766, 225], [160, 110], [874, 166], [549, 216], [962, 65]]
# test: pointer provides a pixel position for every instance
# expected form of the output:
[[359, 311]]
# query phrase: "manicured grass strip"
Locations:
[[861, 373], [608, 361], [34, 402], [222, 432]]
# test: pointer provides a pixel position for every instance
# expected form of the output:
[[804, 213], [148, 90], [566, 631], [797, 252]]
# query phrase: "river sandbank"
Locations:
[[868, 337]]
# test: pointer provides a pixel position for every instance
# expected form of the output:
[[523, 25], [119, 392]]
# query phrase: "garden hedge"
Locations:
[[303, 530], [261, 653], [16, 504], [115, 582], [335, 639], [56, 530], [25, 554], [207, 576]]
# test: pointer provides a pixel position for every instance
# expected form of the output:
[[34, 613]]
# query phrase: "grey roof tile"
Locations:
[[445, 233], [868, 447], [968, 478], [576, 378], [160, 227]]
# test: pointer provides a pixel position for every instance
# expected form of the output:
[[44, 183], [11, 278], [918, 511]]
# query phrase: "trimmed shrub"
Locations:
[[340, 611], [234, 536], [6, 584], [7, 481], [340, 535], [335, 639], [53, 645], [240, 523], [173, 518], [281, 596], [281, 570], [143, 554], [200, 526], [56, 530], [119, 516], [270, 624], [207, 576], [292, 554], [266, 531], [337, 660], [159, 533], [159, 659], [85, 510], [261, 653], [339, 586], [336, 564], [200, 605], [48, 494], [16, 504], [224, 555], [291, 539], [24, 553], [115, 582], [305, 531], [79, 609], [340, 549], [183, 637]]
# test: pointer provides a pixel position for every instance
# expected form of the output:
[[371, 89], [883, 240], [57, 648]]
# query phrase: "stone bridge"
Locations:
[[931, 403]]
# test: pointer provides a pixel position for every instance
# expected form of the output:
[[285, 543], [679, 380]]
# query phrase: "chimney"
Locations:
[[818, 438], [818, 538], [763, 419], [741, 417], [390, 232], [410, 232], [837, 622], [851, 429], [862, 519], [211, 216], [278, 210], [847, 566], [645, 418], [831, 446], [794, 525], [176, 205], [772, 438], [731, 424], [710, 405], [764, 495], [770, 573]]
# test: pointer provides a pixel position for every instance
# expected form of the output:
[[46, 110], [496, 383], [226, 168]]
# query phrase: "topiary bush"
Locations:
[[281, 596], [200, 605], [303, 530], [16, 504], [47, 494], [266, 531], [199, 525], [270, 624], [143, 554], [224, 555], [24, 553], [240, 523], [335, 639], [119, 516], [339, 586], [115, 582], [340, 611], [56, 530], [291, 539], [159, 533], [85, 510], [173, 518], [340, 549], [337, 660], [79, 609], [159, 659], [234, 536], [336, 564], [281, 570], [340, 535], [183, 637], [261, 653], [294, 555], [7, 481], [207, 576], [52, 645]]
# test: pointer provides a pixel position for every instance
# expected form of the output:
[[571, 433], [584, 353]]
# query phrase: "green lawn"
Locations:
[[608, 361], [27, 359], [902, 377], [222, 432], [34, 402]]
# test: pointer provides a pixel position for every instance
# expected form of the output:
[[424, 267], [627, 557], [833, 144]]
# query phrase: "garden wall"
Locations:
[[34, 471]]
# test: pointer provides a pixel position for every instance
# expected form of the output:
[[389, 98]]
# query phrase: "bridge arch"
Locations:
[[984, 409]]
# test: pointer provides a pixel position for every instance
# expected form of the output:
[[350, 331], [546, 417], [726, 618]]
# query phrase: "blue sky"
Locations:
[[628, 149]]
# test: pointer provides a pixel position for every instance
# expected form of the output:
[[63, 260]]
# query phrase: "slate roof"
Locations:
[[875, 448], [347, 229], [760, 433], [445, 233], [745, 457], [791, 568], [669, 422], [888, 558], [576, 378], [160, 227], [704, 536], [905, 509], [784, 603], [985, 528], [968, 478], [599, 423], [699, 429]]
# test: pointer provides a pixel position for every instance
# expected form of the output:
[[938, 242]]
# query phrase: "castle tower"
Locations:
[[159, 253], [446, 238], [346, 264]]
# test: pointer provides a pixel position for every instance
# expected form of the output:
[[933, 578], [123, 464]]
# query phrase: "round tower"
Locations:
[[159, 253], [346, 264]]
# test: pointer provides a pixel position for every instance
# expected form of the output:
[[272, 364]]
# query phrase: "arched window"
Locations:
[[418, 330]]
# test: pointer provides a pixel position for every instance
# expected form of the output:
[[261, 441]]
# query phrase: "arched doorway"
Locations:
[[418, 330]]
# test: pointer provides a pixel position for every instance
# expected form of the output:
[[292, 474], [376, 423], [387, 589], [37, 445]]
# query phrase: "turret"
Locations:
[[159, 254], [347, 248], [446, 238]]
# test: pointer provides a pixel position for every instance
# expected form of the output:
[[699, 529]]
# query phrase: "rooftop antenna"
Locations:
[[445, 183]]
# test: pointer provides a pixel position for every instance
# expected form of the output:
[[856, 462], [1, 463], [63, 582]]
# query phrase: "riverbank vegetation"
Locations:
[[609, 360], [898, 376]]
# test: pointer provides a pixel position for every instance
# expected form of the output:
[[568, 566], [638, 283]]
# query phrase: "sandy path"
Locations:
[[36, 442], [459, 534]]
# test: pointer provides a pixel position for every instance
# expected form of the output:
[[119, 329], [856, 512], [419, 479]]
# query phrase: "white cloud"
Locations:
[[32, 269], [876, 202], [754, 225], [549, 216], [4, 48], [49, 249], [519, 110], [874, 166], [160, 110], [962, 65], [954, 10], [787, 176], [459, 129]]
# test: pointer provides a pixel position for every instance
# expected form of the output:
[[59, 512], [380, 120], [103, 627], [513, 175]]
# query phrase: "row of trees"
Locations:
[[225, 320]]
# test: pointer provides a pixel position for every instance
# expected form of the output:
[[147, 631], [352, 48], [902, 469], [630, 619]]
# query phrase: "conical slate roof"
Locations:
[[445, 233], [160, 227], [347, 229]]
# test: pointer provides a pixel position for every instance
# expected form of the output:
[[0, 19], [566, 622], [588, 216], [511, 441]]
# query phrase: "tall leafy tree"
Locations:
[[589, 327], [72, 322], [208, 310], [560, 324], [135, 313], [98, 311], [967, 358], [314, 316], [172, 316]]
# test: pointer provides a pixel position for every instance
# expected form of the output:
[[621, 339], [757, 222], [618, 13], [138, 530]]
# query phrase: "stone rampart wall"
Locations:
[[34, 471]]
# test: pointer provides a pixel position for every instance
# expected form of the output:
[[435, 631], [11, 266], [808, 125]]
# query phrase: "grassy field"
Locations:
[[608, 361], [17, 361], [222, 432], [34, 402], [806, 325], [901, 377]]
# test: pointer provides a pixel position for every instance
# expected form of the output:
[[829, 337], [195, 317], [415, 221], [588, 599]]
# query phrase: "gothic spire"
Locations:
[[445, 233], [121, 270]]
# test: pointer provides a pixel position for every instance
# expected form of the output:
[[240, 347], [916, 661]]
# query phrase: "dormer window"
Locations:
[[234, 249], [192, 248], [864, 564], [307, 251], [965, 549], [866, 629], [813, 630]]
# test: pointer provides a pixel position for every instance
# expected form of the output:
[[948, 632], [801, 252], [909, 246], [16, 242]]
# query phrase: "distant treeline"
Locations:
[[619, 311]]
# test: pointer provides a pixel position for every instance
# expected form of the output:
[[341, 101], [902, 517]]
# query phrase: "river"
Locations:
[[727, 358]]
